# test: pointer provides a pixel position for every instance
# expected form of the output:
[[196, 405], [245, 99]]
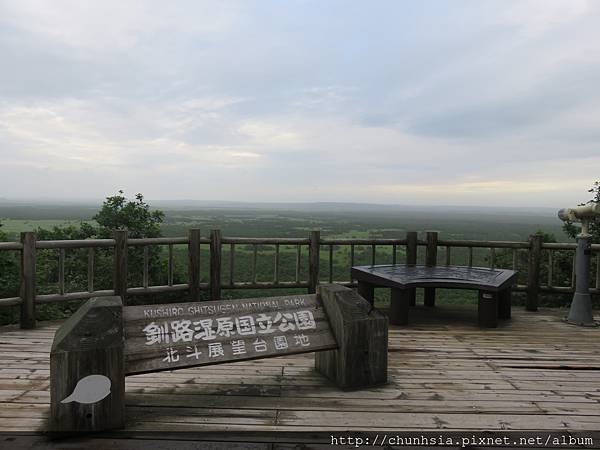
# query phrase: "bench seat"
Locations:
[[494, 286]]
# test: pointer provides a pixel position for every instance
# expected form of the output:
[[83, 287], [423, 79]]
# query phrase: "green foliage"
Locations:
[[546, 237], [135, 216], [573, 230], [9, 278], [561, 271], [5, 264], [564, 260], [117, 213], [83, 231]]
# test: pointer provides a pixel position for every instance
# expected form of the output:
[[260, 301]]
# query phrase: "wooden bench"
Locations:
[[494, 286], [103, 342]]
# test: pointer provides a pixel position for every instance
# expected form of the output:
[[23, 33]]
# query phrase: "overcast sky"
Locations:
[[433, 102]]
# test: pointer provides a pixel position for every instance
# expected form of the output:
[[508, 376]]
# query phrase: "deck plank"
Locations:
[[531, 373]]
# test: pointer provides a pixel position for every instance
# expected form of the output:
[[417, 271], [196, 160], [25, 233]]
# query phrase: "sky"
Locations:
[[433, 102]]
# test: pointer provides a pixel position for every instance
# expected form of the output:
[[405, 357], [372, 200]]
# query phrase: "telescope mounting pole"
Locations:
[[581, 306]]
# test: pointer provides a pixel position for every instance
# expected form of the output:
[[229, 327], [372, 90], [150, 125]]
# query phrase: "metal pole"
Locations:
[[581, 306]]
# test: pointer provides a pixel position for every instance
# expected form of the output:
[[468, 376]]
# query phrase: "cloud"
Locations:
[[102, 27], [302, 101], [535, 18]]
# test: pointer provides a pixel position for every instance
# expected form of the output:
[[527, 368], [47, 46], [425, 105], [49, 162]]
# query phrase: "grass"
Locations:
[[15, 226]]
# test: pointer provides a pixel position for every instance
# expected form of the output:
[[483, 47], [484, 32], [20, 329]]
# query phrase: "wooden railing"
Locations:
[[312, 246]]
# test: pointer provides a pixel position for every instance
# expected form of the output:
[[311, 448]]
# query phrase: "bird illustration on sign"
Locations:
[[90, 389]]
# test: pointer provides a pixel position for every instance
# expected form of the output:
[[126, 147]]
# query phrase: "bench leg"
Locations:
[[399, 304], [366, 291], [504, 303], [488, 309], [429, 297]]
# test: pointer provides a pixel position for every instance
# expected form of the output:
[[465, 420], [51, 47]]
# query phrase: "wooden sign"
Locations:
[[170, 336], [103, 342]]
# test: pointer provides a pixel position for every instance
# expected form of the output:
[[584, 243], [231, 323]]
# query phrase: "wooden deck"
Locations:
[[445, 373]]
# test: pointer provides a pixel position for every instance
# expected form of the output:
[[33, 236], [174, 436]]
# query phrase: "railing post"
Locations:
[[120, 264], [215, 264], [431, 260], [194, 264], [533, 271], [431, 254], [411, 258], [314, 249], [27, 288], [411, 247]]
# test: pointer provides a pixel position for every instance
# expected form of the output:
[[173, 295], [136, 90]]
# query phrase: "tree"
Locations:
[[7, 261], [573, 230], [135, 216], [561, 273], [75, 260], [9, 279], [117, 213], [8, 284]]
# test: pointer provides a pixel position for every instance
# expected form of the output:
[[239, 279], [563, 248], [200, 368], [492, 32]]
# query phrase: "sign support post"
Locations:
[[87, 370]]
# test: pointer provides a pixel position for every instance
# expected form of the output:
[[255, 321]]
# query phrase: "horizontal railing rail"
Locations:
[[314, 257], [75, 243], [11, 246]]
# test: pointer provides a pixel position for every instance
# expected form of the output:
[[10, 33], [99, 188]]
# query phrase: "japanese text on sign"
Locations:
[[264, 327], [208, 329]]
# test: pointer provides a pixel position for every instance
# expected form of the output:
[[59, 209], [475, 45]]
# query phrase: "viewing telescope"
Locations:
[[581, 306], [582, 214]]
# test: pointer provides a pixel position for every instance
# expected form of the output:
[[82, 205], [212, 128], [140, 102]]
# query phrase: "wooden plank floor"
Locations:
[[531, 373]]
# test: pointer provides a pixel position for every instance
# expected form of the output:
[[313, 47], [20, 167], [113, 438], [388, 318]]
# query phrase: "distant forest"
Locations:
[[78, 221], [295, 220]]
